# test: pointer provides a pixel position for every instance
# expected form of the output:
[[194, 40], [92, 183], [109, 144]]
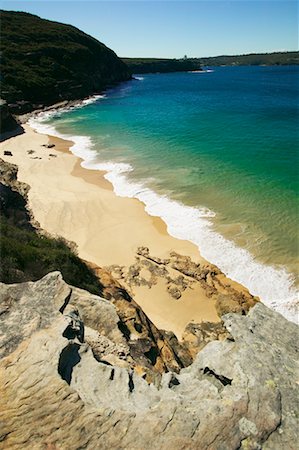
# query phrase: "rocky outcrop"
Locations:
[[119, 331], [9, 178], [197, 335], [180, 274], [66, 380], [8, 123], [161, 348]]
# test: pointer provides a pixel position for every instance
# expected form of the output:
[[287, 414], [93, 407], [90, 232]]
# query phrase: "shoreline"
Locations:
[[275, 285], [79, 204]]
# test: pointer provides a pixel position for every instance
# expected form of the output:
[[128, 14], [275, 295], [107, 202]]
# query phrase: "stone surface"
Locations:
[[56, 393], [117, 330], [149, 347], [196, 336], [9, 178]]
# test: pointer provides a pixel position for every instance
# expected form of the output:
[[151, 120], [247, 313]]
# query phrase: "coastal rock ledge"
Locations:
[[58, 393]]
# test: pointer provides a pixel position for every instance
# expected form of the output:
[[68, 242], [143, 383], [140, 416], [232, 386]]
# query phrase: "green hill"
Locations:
[[44, 62], [156, 65], [253, 59]]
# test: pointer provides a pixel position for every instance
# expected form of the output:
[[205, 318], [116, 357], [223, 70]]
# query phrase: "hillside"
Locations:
[[44, 62], [253, 59], [156, 65]]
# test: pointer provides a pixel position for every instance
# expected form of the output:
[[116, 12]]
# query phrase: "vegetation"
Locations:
[[253, 59], [44, 62], [151, 65], [28, 255], [155, 65]]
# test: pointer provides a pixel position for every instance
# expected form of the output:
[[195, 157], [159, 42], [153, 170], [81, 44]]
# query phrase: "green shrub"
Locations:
[[26, 255]]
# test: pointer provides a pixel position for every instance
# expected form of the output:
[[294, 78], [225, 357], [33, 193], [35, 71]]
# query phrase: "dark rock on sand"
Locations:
[[8, 124]]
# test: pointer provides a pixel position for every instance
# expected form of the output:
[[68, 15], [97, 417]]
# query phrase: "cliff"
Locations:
[[45, 62], [8, 123], [67, 381]]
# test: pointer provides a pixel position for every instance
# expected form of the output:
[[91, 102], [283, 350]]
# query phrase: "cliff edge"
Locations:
[[64, 371]]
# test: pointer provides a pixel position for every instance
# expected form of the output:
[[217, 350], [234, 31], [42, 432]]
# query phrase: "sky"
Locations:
[[172, 29]]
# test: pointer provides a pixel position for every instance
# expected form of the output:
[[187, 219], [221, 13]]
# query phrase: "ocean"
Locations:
[[215, 155]]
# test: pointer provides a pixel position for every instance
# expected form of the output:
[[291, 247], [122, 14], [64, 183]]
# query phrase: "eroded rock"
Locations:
[[196, 336], [179, 274], [239, 393]]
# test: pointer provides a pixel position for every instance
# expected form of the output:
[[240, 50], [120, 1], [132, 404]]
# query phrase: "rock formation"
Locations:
[[180, 273], [67, 380], [8, 123]]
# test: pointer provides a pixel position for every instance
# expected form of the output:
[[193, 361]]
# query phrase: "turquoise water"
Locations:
[[223, 143]]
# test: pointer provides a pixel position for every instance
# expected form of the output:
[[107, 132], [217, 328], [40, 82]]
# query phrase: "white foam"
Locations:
[[274, 286], [45, 115], [83, 145], [201, 71], [138, 78]]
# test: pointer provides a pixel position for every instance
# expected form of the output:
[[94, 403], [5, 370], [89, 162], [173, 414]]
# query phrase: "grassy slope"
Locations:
[[28, 255]]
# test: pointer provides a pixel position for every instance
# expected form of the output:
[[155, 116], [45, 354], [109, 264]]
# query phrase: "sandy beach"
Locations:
[[80, 205]]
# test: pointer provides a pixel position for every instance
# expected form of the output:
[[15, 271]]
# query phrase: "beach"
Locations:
[[80, 205], [232, 194]]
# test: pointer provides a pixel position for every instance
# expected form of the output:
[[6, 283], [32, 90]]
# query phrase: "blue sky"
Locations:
[[172, 29]]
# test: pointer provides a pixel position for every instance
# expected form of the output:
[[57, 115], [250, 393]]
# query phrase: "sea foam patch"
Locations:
[[274, 286], [82, 145]]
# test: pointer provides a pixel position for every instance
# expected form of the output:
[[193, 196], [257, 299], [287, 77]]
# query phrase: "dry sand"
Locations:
[[80, 205]]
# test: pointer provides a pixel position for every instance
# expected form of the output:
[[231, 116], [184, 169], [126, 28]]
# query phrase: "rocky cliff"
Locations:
[[8, 123], [67, 381], [44, 62]]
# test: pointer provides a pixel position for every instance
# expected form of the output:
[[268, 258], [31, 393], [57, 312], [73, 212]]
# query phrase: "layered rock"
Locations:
[[162, 350], [119, 334], [66, 380], [9, 178]]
